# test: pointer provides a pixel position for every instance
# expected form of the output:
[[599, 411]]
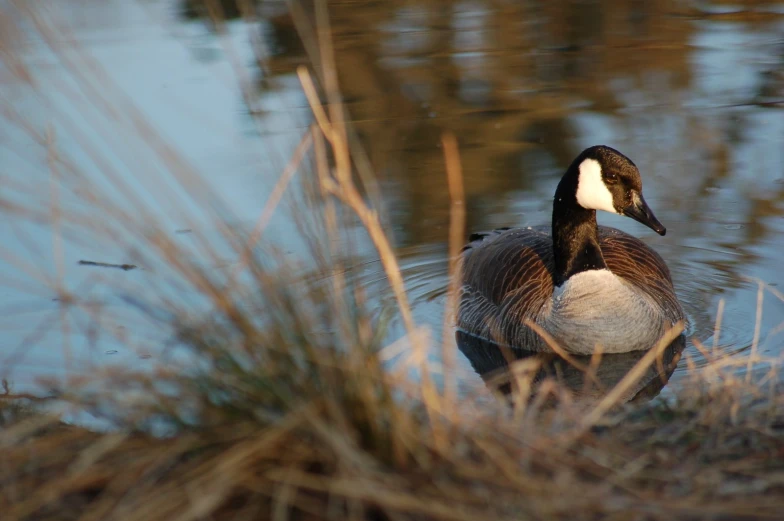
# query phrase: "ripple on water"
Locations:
[[700, 285]]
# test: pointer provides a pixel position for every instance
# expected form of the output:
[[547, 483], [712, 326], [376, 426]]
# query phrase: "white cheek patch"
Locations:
[[592, 194]]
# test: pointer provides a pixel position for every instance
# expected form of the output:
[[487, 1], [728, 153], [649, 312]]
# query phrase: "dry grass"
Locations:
[[347, 450], [292, 412]]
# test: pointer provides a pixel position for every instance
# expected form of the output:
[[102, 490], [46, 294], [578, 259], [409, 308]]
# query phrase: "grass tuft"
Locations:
[[287, 406]]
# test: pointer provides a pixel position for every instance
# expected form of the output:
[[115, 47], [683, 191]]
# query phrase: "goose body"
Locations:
[[583, 284]]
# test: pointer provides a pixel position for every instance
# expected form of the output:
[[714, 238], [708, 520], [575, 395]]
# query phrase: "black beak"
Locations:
[[641, 212]]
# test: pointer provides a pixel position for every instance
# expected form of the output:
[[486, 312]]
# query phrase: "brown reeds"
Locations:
[[456, 237], [293, 413]]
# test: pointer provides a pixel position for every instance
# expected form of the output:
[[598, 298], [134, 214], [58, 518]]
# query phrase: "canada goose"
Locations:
[[583, 284]]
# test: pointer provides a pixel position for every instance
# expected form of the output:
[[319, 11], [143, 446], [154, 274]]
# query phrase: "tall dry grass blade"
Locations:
[[523, 375], [272, 203], [315, 104], [593, 367], [302, 21], [111, 212], [757, 331], [106, 95], [708, 355], [717, 326], [778, 294], [57, 247], [55, 208], [636, 372], [456, 238], [96, 87], [552, 344], [329, 74], [321, 55], [331, 224], [345, 190], [218, 17]]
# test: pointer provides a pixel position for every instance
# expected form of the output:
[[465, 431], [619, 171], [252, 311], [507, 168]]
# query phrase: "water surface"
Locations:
[[693, 95]]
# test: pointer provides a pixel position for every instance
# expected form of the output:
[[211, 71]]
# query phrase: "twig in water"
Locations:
[[124, 267]]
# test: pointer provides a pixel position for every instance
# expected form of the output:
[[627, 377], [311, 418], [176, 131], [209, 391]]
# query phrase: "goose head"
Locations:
[[604, 179]]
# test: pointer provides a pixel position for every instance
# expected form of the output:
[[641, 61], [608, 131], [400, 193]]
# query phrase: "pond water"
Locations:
[[694, 95]]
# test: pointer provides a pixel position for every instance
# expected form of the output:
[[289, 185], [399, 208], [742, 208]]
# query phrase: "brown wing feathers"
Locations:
[[508, 275]]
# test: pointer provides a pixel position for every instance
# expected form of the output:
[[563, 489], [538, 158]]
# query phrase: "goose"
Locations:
[[584, 285]]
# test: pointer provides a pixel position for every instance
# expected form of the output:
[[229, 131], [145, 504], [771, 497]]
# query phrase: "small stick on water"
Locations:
[[124, 267]]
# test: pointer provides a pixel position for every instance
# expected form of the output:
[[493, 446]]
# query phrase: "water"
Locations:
[[693, 96]]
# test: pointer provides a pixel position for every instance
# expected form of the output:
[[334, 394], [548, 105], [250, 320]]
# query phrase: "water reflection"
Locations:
[[581, 375], [692, 94], [523, 86]]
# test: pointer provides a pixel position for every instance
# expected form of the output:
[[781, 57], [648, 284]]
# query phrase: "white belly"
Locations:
[[597, 308]]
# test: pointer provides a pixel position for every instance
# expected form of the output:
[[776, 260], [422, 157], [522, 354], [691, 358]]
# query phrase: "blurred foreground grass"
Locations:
[[291, 410]]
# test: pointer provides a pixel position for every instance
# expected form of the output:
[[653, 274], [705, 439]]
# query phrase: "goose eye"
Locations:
[[611, 178]]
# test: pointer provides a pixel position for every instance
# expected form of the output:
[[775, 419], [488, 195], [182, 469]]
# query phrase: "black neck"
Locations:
[[575, 234]]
